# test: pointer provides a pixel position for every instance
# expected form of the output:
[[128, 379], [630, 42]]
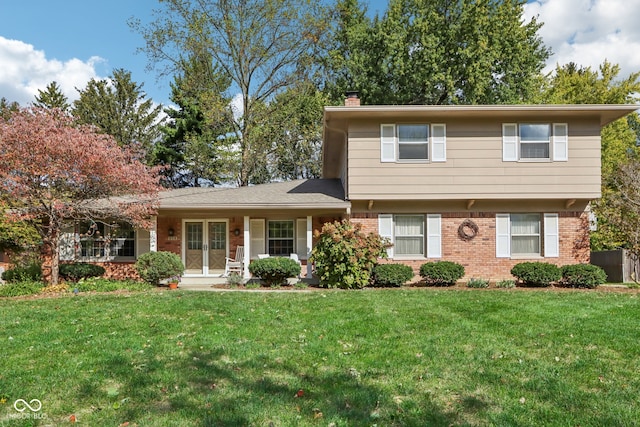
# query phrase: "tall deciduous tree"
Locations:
[[623, 205], [118, 106], [572, 84], [52, 97], [437, 52], [262, 46], [296, 149], [54, 170]]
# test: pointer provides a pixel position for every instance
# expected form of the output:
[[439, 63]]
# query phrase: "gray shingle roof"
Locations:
[[307, 193]]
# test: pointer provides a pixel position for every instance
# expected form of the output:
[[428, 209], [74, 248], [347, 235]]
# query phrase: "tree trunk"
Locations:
[[51, 262]]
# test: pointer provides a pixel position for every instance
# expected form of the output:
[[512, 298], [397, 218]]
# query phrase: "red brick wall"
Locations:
[[478, 255]]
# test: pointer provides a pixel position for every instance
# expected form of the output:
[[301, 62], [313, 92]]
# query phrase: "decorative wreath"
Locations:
[[467, 230]]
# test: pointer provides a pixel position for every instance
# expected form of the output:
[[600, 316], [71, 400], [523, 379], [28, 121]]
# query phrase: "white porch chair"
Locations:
[[297, 259], [235, 265]]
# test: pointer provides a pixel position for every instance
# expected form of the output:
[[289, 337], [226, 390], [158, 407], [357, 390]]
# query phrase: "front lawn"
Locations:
[[409, 357]]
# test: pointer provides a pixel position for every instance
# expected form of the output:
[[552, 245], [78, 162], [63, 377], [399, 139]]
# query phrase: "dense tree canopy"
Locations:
[[195, 143], [436, 52], [53, 170], [572, 84], [262, 46], [118, 107]]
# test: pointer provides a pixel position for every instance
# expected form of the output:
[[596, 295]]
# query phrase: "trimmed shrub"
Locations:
[[27, 273], [344, 255], [478, 283], [274, 271], [541, 274], [80, 270], [506, 283], [583, 276], [441, 273], [155, 266], [20, 288], [391, 274]]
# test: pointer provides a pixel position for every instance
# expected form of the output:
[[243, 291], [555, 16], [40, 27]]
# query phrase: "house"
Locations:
[[487, 186]]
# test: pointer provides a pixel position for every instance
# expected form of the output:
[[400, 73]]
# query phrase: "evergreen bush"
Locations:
[[156, 266], [80, 270], [274, 271], [441, 273], [540, 274], [391, 274], [22, 273], [583, 276]]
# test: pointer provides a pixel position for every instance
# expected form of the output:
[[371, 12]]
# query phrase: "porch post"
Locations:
[[247, 248], [153, 235], [309, 245]]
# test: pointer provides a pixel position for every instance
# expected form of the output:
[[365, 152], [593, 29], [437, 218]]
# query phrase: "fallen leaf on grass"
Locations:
[[72, 418]]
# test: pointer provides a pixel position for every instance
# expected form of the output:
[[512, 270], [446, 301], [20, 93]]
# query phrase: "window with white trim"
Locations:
[[412, 142], [534, 141], [522, 235], [412, 235], [280, 238], [101, 241]]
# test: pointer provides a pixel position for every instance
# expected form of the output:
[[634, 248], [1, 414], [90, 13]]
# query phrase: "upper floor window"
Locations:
[[412, 142], [534, 141]]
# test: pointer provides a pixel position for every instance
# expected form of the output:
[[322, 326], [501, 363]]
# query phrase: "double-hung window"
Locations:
[[534, 141], [412, 142], [408, 233], [280, 238], [102, 241], [411, 235], [527, 235]]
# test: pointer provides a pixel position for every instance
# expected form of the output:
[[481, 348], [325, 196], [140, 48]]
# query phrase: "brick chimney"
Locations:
[[352, 99]]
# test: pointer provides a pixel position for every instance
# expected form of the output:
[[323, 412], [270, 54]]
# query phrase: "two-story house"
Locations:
[[487, 186]]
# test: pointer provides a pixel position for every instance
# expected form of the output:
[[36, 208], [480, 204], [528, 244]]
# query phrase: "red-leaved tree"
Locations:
[[53, 171]]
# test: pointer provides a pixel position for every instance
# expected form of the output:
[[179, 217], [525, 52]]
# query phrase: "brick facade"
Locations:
[[478, 255]]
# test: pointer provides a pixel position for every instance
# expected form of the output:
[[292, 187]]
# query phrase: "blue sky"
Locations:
[[72, 41]]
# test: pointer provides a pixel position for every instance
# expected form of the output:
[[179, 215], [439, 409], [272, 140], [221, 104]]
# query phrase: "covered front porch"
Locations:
[[208, 226]]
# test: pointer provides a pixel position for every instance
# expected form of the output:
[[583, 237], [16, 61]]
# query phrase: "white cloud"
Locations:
[[26, 70], [588, 32]]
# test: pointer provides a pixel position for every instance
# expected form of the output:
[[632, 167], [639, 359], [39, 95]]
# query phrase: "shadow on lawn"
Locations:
[[264, 392]]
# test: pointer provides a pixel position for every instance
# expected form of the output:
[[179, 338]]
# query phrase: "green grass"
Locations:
[[410, 357]]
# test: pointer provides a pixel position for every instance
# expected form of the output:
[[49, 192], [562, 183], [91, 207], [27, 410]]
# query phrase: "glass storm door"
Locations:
[[194, 248], [217, 248], [205, 247]]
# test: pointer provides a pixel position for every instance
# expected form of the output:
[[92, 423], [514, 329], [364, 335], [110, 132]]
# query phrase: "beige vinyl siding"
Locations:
[[474, 167]]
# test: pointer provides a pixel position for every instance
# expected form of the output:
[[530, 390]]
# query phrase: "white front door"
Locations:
[[205, 247]]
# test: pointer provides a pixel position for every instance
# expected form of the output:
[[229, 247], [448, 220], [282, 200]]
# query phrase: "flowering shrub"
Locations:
[[344, 255]]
